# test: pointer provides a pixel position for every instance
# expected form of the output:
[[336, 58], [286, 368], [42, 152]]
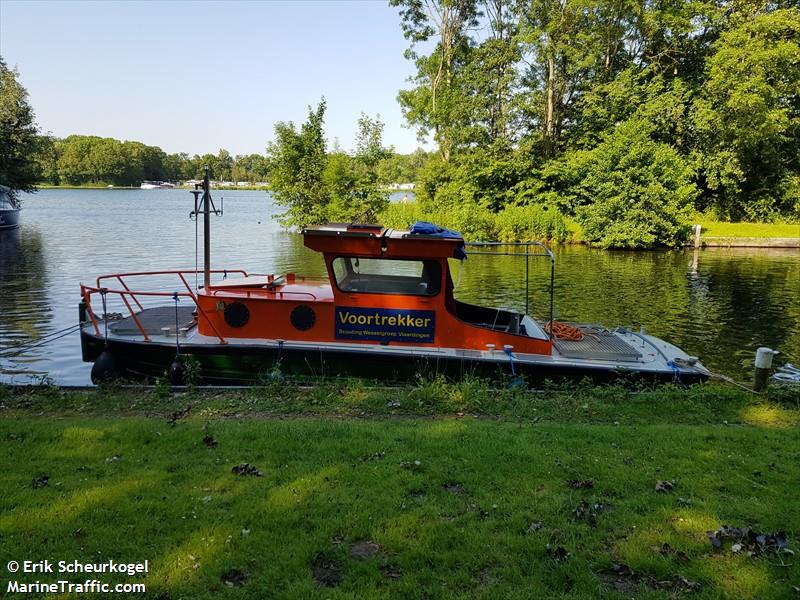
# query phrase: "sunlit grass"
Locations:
[[462, 504], [756, 230], [770, 415]]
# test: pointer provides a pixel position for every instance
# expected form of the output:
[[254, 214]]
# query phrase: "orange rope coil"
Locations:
[[562, 331]]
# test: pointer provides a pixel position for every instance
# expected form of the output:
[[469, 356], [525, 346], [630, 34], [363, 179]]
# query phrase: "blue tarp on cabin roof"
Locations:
[[426, 228]]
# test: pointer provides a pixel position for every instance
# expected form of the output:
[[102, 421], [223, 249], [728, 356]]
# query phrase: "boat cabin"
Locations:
[[384, 286]]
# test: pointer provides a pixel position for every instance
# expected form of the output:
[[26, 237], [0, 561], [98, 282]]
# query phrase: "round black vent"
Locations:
[[303, 317], [236, 314]]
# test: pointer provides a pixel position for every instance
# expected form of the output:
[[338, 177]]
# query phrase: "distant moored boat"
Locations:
[[156, 185], [9, 212]]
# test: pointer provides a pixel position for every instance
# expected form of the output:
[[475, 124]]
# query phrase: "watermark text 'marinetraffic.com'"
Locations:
[[68, 587]]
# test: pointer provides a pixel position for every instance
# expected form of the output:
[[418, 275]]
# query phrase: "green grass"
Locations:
[[447, 480], [755, 230]]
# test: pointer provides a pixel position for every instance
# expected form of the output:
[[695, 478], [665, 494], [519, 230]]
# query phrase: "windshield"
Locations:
[[388, 276]]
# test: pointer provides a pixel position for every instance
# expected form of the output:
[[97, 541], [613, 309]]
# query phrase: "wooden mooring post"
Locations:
[[696, 229], [763, 368]]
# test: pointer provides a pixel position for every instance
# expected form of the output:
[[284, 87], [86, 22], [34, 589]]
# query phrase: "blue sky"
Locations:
[[198, 76]]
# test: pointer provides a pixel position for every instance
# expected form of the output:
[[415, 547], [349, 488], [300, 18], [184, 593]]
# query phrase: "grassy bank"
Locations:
[[751, 230], [436, 491], [535, 222]]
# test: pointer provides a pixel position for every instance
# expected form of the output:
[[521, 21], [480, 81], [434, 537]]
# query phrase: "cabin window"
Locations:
[[388, 276]]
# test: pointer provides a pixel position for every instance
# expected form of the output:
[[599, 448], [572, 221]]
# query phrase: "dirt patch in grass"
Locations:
[[454, 488], [588, 512], [622, 579], [327, 572], [364, 550], [664, 487], [390, 571], [40, 481], [234, 578], [580, 484], [246, 470]]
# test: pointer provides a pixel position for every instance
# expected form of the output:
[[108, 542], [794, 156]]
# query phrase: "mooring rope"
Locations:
[[177, 332], [103, 293], [22, 348], [37, 340], [727, 379]]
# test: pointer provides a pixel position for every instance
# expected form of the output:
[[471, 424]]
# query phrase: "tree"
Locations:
[[297, 160], [630, 191], [491, 77], [439, 102], [353, 181], [316, 186], [369, 141], [176, 166], [18, 135], [748, 119], [47, 152], [401, 168]]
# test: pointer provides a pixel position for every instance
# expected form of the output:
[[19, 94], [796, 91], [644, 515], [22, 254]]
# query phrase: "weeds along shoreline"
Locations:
[[710, 402]]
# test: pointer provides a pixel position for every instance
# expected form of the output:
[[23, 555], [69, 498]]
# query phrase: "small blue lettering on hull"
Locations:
[[384, 324]]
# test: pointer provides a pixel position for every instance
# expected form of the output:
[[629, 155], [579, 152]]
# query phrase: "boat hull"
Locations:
[[247, 364], [9, 219]]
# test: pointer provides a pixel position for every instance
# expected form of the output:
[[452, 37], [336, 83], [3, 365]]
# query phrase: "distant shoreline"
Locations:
[[714, 234], [245, 188]]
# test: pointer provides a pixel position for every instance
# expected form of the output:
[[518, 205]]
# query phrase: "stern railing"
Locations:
[[527, 254], [125, 293]]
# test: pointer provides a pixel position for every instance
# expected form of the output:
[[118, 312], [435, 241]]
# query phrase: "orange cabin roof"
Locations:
[[378, 241]]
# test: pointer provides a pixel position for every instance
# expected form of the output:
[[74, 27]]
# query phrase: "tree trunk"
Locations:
[[549, 116]]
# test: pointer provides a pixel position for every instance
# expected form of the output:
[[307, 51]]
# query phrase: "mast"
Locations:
[[206, 206], [206, 231]]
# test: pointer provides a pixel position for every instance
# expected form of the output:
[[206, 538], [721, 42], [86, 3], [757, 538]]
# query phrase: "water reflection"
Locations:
[[719, 304], [25, 314]]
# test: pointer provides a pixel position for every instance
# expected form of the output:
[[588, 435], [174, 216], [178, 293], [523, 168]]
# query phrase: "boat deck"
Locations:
[[598, 344], [155, 321]]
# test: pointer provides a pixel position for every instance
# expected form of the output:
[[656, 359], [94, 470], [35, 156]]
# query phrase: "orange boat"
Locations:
[[386, 310]]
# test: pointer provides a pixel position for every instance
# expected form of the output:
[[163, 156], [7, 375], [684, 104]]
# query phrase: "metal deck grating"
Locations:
[[601, 345], [153, 321]]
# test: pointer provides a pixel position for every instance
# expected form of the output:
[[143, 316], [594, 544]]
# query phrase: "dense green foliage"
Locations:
[[315, 185], [512, 223], [748, 118], [629, 190], [401, 168], [18, 135], [623, 116]]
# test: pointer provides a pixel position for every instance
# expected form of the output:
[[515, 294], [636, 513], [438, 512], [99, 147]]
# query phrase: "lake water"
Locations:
[[719, 304]]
